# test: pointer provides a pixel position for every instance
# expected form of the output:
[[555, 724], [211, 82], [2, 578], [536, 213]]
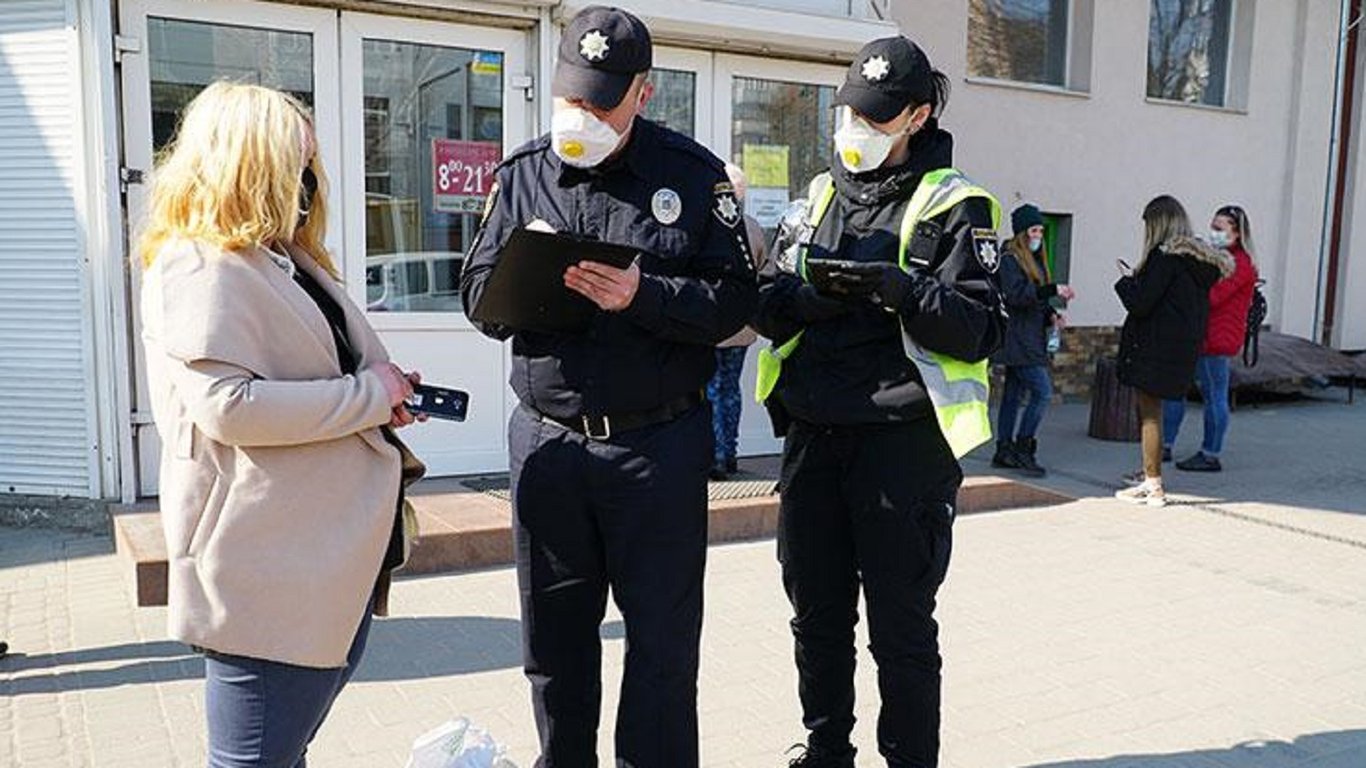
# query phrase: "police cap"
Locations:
[[887, 76], [601, 52]]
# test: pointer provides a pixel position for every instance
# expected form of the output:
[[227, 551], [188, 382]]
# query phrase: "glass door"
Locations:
[[429, 111], [185, 47], [774, 119]]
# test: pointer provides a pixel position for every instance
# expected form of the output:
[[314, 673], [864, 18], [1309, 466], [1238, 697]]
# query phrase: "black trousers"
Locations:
[[629, 514], [870, 505]]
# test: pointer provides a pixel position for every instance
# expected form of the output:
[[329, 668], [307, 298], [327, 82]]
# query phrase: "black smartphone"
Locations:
[[439, 402], [827, 275]]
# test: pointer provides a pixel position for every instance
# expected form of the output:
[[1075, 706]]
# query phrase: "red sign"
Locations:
[[462, 173]]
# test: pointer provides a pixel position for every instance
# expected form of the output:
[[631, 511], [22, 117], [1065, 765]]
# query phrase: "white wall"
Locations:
[[1101, 156]]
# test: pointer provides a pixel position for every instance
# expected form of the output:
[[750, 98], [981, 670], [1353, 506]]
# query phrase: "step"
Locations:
[[465, 523]]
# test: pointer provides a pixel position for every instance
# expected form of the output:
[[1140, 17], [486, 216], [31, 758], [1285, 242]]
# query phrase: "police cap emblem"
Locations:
[[876, 69], [593, 46]]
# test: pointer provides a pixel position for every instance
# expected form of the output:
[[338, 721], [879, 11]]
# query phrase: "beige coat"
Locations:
[[277, 488], [759, 251]]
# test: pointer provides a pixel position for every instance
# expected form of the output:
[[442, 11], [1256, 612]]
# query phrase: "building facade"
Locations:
[[1085, 108]]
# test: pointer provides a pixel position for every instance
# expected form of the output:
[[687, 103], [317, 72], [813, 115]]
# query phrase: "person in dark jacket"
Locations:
[[869, 478], [1029, 292], [1167, 297], [1229, 301]]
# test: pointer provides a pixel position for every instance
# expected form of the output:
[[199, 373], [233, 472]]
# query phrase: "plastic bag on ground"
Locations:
[[458, 744]]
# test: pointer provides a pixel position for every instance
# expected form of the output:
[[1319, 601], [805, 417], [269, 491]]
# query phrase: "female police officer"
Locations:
[[882, 308]]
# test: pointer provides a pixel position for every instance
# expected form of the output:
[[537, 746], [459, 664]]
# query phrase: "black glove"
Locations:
[[884, 284], [814, 306]]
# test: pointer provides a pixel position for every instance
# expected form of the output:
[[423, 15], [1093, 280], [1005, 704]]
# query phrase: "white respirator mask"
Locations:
[[580, 138], [862, 147]]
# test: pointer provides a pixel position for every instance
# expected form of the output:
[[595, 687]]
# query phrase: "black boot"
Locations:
[[1027, 447], [1007, 455], [815, 757]]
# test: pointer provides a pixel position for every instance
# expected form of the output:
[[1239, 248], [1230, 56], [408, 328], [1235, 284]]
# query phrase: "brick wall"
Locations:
[[1075, 364]]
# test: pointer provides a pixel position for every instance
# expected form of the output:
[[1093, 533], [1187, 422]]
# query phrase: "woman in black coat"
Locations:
[[1028, 290], [1167, 297]]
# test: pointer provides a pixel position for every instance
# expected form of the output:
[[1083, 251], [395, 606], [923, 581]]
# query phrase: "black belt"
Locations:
[[603, 427]]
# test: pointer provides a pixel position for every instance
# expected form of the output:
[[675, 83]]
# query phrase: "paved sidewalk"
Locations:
[[1224, 632]]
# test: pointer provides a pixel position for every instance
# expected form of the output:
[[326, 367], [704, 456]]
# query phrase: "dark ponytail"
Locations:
[[939, 93]]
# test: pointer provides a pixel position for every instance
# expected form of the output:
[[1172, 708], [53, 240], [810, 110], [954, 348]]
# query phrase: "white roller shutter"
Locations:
[[47, 443]]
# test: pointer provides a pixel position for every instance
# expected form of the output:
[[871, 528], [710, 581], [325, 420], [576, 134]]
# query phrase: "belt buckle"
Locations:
[[605, 434]]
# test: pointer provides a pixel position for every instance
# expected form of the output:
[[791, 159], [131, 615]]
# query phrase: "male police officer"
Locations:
[[612, 443], [883, 312]]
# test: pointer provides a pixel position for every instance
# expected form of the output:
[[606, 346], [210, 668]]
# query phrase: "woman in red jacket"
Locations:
[[1229, 300]]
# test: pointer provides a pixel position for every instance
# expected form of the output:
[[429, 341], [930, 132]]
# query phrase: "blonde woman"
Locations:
[[279, 492], [1167, 297]]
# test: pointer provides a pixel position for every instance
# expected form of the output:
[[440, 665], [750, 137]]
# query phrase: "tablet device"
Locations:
[[526, 290]]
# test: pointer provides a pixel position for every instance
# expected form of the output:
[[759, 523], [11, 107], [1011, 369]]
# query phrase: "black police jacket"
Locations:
[[851, 366], [697, 284]]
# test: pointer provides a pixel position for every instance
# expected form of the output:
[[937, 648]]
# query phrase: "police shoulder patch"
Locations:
[[727, 208], [987, 248]]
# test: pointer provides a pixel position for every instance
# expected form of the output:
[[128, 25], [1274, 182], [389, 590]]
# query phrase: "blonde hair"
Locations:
[[1242, 224], [232, 176], [1164, 218], [1035, 265]]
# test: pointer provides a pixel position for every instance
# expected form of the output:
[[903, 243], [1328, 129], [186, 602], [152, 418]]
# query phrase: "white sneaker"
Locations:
[[1148, 492]]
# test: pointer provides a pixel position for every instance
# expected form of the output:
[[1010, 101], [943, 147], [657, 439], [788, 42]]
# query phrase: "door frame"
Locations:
[[455, 455]]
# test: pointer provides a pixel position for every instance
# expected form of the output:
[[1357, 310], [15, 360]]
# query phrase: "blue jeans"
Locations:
[[1211, 376], [264, 714], [1030, 385], [724, 393]]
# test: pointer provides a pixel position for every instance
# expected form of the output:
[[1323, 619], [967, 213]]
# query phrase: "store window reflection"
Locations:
[[781, 135], [186, 56], [674, 104], [433, 121]]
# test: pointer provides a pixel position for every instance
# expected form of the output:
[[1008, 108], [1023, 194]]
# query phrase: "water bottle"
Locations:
[[1054, 340]]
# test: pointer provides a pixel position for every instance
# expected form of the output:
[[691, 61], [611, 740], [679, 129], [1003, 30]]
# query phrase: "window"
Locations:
[[781, 135], [1020, 40], [433, 120], [674, 104], [1188, 50]]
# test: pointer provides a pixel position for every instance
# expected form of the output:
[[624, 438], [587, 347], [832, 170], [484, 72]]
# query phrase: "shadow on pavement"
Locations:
[[415, 648], [402, 648], [1333, 749]]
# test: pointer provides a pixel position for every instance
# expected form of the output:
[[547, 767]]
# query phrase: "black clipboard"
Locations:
[[526, 290]]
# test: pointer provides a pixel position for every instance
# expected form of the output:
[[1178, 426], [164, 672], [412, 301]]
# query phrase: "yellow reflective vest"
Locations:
[[957, 389]]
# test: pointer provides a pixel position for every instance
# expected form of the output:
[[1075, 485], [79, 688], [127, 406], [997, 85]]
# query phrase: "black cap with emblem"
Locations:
[[601, 52], [887, 76]]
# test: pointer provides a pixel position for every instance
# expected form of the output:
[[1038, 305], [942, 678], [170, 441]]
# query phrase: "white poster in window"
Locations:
[[766, 205]]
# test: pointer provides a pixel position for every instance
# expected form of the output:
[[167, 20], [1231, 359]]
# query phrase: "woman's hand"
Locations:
[[1066, 292], [1059, 321], [396, 385], [402, 416]]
